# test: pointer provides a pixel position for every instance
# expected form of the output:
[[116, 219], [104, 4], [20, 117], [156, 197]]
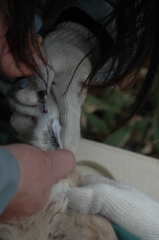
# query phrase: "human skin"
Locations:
[[39, 171], [9, 66]]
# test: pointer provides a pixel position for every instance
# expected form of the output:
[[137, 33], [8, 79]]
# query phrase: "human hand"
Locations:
[[9, 65], [28, 118], [120, 203], [39, 171], [67, 69]]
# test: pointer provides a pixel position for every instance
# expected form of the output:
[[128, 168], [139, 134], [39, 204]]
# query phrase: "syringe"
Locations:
[[42, 98]]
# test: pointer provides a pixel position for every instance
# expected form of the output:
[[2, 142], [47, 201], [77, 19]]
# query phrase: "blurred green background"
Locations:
[[101, 112]]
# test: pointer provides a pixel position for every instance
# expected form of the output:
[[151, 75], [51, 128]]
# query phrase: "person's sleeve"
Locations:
[[9, 177], [123, 234]]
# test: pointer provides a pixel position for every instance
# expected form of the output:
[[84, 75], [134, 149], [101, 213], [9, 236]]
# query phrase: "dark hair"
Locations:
[[136, 44], [21, 35], [136, 41]]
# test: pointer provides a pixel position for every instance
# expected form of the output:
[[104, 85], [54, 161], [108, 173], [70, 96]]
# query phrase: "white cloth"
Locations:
[[67, 49], [121, 203]]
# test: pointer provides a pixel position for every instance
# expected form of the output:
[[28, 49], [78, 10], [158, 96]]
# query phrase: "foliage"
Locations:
[[100, 113]]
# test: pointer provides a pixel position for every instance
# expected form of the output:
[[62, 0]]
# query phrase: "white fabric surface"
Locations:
[[121, 203]]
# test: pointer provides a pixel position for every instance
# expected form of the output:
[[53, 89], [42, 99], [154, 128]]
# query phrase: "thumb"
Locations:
[[62, 163], [39, 171]]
